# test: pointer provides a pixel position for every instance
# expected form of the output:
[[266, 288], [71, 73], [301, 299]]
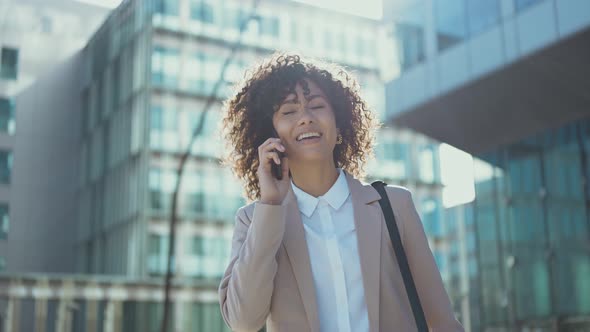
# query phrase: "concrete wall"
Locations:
[[44, 201]]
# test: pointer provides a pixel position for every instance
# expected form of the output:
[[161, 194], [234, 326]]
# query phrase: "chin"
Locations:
[[315, 157]]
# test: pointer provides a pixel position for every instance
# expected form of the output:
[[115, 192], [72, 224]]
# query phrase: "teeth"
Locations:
[[306, 135]]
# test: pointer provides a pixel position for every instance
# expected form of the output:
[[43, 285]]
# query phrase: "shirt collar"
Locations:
[[335, 197]]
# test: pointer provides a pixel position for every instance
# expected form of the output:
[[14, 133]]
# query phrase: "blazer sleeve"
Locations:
[[433, 296], [247, 285]]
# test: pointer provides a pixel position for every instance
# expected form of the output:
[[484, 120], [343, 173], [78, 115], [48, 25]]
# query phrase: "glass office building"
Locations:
[[506, 80]]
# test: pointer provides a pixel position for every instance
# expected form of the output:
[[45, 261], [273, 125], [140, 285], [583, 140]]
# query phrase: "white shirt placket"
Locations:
[[336, 266]]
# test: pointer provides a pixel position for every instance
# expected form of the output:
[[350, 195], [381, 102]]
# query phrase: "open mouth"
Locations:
[[308, 136]]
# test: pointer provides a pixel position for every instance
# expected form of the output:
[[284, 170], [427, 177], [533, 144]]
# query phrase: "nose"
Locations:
[[306, 116]]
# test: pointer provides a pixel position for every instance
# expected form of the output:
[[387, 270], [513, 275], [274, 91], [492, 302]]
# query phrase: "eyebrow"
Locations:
[[296, 100]]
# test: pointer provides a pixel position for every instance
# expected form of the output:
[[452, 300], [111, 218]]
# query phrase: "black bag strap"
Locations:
[[401, 257]]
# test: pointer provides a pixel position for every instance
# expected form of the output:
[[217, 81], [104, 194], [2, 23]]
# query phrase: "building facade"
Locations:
[[507, 82], [34, 36]]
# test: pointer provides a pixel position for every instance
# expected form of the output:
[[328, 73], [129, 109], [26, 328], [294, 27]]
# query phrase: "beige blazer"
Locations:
[[269, 278]]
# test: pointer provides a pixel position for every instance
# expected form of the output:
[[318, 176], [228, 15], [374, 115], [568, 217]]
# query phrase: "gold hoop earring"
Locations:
[[339, 139]]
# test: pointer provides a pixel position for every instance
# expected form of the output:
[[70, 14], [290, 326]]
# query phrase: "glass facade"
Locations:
[[209, 255], [4, 221], [167, 7], [202, 11], [482, 14], [451, 22], [5, 166], [204, 317], [9, 63], [409, 29], [457, 20], [521, 5], [6, 116], [534, 227]]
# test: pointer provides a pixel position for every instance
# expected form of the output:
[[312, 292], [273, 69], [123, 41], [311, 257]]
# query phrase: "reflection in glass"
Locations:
[[409, 35], [201, 11], [167, 7], [482, 14], [533, 228], [520, 5], [6, 116], [4, 222], [451, 25], [5, 166]]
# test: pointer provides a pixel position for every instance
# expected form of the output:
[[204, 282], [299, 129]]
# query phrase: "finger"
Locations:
[[272, 155], [275, 146], [272, 140], [269, 142]]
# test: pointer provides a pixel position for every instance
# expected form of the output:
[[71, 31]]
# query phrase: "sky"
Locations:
[[366, 8]]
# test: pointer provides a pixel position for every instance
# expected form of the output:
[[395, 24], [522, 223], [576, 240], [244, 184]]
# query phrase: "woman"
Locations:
[[312, 252]]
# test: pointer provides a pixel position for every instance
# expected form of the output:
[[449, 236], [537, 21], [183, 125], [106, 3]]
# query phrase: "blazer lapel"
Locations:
[[368, 222], [296, 247]]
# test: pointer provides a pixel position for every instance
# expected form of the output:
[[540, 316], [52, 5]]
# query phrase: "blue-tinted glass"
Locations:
[[451, 25], [269, 26], [9, 63], [5, 166], [523, 4], [156, 118], [4, 222], [167, 7], [482, 14], [430, 209], [165, 67], [6, 116], [202, 11], [409, 35], [361, 46]]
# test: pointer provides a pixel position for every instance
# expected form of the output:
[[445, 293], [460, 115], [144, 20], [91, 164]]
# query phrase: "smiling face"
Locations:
[[306, 124]]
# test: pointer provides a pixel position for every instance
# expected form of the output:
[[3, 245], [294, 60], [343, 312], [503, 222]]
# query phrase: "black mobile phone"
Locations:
[[275, 168]]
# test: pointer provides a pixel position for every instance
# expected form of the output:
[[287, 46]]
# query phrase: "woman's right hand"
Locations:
[[272, 191]]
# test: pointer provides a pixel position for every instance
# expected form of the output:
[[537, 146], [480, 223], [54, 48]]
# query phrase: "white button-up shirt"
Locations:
[[330, 234]]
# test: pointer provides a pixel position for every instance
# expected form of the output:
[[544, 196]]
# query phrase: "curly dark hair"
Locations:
[[248, 114]]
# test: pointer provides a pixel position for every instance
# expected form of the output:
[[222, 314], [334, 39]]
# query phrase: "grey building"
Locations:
[[506, 80], [34, 36]]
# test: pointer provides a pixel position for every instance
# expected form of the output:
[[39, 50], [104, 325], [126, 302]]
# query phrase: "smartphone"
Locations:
[[275, 168]]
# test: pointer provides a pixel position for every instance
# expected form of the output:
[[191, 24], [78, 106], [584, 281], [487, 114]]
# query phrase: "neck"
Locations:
[[314, 179]]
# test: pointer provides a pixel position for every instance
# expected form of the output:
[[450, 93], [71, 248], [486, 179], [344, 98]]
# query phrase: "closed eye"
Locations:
[[317, 107]]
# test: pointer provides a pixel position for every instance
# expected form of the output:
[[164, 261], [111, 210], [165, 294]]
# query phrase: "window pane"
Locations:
[[269, 26], [6, 116], [5, 166], [451, 27], [165, 67], [409, 35], [167, 7], [9, 65], [4, 222], [202, 11], [482, 14], [524, 4]]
